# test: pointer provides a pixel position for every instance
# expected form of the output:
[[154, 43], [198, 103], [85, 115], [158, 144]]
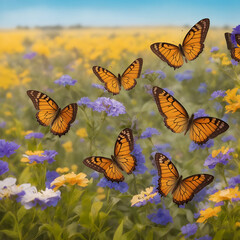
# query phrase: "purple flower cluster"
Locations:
[[7, 148], [236, 30], [187, 75], [206, 237], [162, 217], [228, 138], [34, 135], [214, 49], [103, 104], [50, 176], [189, 229], [65, 80], [140, 167], [161, 74], [234, 181], [99, 86], [149, 132], [220, 158], [121, 186], [3, 124], [194, 146], [200, 113], [3, 167], [48, 156], [202, 88], [234, 62], [29, 55], [218, 93]]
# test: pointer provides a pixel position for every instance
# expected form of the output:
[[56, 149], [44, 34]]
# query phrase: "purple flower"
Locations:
[[85, 101], [218, 93], [234, 62], [140, 167], [220, 158], [121, 186], [99, 86], [7, 148], [234, 181], [169, 91], [161, 147], [219, 204], [48, 155], [65, 80], [206, 237], [208, 70], [3, 167], [161, 74], [3, 124], [189, 229], [214, 49], [236, 30], [34, 135], [50, 176], [162, 217], [94, 175], [200, 113], [196, 215], [29, 55], [194, 146], [218, 106], [228, 138], [187, 75], [149, 132], [202, 88]]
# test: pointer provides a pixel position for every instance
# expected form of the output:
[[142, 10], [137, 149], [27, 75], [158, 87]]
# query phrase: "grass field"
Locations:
[[88, 207]]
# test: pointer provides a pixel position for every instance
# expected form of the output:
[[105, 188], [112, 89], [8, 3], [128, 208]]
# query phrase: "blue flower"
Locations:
[[218, 93], [228, 138], [48, 156], [186, 75], [236, 30], [3, 124], [202, 88], [206, 237], [85, 101], [140, 167], [149, 132], [214, 49], [50, 176], [99, 86], [169, 91], [94, 175], [65, 80], [196, 215], [34, 135], [162, 217], [29, 55], [234, 181], [234, 62], [194, 146], [121, 186], [200, 113], [189, 229], [3, 167], [7, 148]]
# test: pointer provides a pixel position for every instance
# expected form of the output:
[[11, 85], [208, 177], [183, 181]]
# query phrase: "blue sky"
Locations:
[[117, 13]]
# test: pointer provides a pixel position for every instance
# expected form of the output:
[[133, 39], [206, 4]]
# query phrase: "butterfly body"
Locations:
[[190, 48], [127, 79], [182, 190], [177, 119], [122, 160], [49, 114]]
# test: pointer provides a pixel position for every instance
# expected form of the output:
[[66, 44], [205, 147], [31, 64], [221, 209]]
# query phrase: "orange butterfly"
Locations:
[[183, 190], [121, 160], [235, 51], [191, 47], [49, 114], [177, 120], [127, 80]]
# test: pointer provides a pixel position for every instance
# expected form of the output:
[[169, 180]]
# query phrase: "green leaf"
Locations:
[[118, 233], [10, 233], [21, 213], [219, 234], [96, 206]]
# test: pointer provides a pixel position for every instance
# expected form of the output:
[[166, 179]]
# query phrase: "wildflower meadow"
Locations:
[[46, 192]]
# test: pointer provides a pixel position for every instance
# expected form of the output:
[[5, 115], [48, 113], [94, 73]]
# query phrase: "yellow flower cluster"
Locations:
[[143, 196], [82, 132], [226, 194], [222, 150], [70, 178], [233, 99], [68, 146], [207, 213], [221, 58]]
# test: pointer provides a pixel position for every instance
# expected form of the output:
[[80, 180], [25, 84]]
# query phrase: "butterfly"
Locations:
[[49, 114], [183, 190], [177, 120], [122, 160], [235, 51], [190, 48], [127, 80]]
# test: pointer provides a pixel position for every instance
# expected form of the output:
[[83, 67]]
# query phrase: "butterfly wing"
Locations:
[[47, 108], [122, 151], [106, 166], [235, 51], [111, 81], [131, 73], [189, 186], [168, 53], [205, 128], [193, 42], [175, 116], [168, 174], [63, 121]]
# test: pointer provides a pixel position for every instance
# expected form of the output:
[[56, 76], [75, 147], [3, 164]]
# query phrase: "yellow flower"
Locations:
[[223, 150], [74, 167], [68, 146], [82, 132], [100, 192], [207, 213], [8, 113], [25, 158], [237, 224], [70, 178], [226, 61], [8, 95], [62, 170], [226, 194], [143, 196], [233, 100]]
